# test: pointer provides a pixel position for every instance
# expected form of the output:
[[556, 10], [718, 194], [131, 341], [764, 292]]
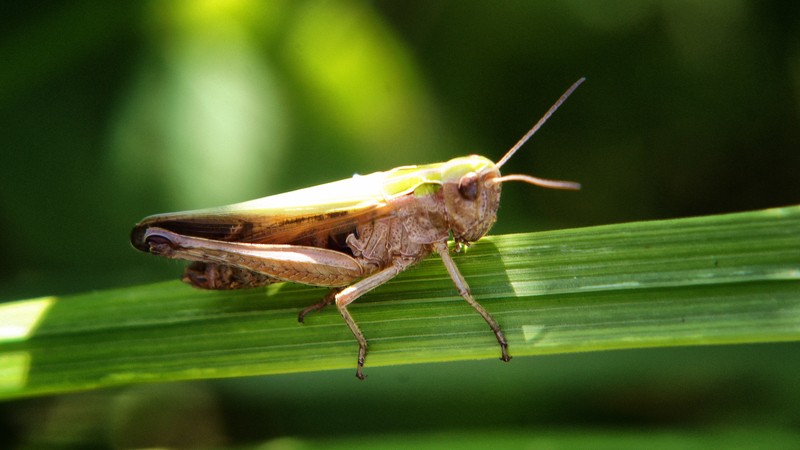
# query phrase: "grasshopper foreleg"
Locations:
[[463, 290]]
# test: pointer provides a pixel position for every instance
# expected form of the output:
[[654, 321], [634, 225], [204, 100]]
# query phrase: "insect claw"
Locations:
[[302, 315]]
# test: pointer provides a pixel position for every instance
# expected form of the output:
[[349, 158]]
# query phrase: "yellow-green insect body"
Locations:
[[350, 235]]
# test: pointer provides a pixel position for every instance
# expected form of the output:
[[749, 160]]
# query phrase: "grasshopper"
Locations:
[[351, 235]]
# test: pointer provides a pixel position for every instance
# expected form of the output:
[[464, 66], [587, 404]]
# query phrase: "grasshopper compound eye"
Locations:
[[468, 186]]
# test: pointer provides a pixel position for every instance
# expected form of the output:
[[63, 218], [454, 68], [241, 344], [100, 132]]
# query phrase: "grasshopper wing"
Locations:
[[319, 216]]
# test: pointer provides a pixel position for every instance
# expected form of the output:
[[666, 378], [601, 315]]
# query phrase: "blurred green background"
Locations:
[[113, 111]]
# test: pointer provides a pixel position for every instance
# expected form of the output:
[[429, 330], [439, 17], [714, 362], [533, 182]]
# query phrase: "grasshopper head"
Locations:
[[471, 197], [472, 185], [472, 194]]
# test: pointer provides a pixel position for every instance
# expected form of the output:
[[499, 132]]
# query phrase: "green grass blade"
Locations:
[[707, 280]]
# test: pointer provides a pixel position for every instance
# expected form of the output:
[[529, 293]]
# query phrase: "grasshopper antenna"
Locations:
[[538, 125], [543, 182]]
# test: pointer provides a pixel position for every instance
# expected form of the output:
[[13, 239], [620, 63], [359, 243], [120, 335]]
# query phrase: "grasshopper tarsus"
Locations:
[[362, 355], [329, 298], [501, 339], [362, 341], [505, 357], [301, 317]]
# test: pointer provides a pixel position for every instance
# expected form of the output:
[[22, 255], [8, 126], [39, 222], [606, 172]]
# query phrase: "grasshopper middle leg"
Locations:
[[349, 295]]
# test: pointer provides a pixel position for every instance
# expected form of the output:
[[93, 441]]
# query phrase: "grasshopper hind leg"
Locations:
[[327, 300]]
